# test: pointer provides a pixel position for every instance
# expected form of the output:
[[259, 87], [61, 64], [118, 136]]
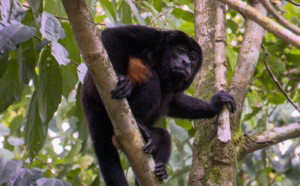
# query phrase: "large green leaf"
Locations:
[[10, 89], [125, 13], [182, 14], [69, 42], [35, 131], [92, 4], [108, 9], [135, 11], [14, 34], [3, 64], [69, 79], [50, 86], [55, 7]]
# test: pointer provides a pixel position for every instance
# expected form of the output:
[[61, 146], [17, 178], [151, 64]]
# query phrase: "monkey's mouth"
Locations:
[[180, 72]]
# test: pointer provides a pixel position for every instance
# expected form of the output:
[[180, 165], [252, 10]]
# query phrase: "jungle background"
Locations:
[[43, 135]]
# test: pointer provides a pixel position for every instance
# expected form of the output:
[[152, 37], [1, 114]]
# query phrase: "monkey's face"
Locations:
[[183, 62]]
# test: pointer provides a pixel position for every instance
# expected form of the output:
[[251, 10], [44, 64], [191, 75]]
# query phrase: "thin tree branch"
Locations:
[[277, 135], [224, 133], [125, 128], [280, 18], [247, 60], [258, 142], [293, 2], [275, 80], [263, 21]]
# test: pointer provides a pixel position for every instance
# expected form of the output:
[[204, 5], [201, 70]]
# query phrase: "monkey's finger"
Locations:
[[230, 102], [122, 91]]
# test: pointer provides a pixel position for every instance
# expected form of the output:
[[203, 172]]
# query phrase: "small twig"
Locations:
[[73, 62], [273, 179], [280, 18], [275, 80], [103, 24], [160, 16], [258, 142], [293, 2], [42, 161], [58, 17], [84, 169], [272, 111]]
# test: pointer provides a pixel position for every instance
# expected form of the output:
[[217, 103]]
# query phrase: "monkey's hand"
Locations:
[[123, 89], [160, 170], [222, 98]]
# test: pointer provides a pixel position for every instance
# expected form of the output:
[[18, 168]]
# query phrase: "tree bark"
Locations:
[[94, 55], [214, 162]]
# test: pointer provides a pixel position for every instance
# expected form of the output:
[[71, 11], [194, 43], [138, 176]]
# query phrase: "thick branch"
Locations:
[[263, 21], [277, 135], [279, 18], [224, 133], [125, 128], [247, 60]]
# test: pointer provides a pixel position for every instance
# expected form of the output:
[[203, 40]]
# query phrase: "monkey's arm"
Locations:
[[187, 107]]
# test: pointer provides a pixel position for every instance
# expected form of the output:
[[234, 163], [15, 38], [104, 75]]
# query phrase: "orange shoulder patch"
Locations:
[[137, 71]]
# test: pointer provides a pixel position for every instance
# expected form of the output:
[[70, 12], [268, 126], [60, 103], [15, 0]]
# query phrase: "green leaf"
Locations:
[[69, 42], [10, 89], [14, 34], [3, 64], [186, 124], [262, 123], [74, 151], [232, 58], [60, 53], [182, 14], [51, 27], [55, 7], [35, 131], [232, 25], [69, 79], [108, 9], [16, 124], [139, 18], [29, 60], [255, 110], [50, 86], [157, 4], [125, 13], [92, 4], [35, 6]]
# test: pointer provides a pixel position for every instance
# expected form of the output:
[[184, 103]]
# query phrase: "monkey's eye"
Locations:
[[181, 50], [193, 56]]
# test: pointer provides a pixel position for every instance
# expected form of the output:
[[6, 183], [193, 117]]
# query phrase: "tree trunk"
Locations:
[[214, 162]]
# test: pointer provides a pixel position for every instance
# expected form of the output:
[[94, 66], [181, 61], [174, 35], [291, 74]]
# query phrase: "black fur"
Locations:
[[173, 59]]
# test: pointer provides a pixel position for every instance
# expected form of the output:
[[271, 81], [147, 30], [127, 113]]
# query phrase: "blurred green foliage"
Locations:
[[41, 119]]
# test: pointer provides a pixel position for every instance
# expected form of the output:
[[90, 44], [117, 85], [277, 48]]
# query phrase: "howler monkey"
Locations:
[[154, 68]]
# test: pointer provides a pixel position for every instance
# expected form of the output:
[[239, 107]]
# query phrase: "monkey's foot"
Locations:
[[160, 170], [149, 147]]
